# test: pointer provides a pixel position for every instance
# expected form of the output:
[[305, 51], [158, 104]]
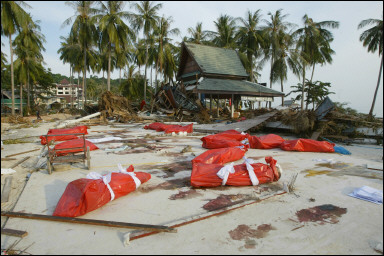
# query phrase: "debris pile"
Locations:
[[117, 107]]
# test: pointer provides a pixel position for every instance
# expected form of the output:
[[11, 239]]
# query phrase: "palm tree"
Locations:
[[165, 58], [84, 29], [273, 32], [225, 36], [69, 51], [115, 34], [145, 19], [28, 45], [373, 39], [250, 38], [286, 57], [13, 17], [198, 35], [314, 38]]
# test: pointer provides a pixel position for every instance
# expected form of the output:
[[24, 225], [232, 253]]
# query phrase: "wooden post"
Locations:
[[217, 105], [232, 106], [210, 103]]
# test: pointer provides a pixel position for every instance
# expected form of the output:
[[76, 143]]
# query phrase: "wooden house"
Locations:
[[217, 73]]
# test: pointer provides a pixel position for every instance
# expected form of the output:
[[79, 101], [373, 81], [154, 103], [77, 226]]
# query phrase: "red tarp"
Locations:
[[77, 129], [205, 175], [220, 155], [74, 144], [230, 138], [307, 145], [85, 195], [265, 142]]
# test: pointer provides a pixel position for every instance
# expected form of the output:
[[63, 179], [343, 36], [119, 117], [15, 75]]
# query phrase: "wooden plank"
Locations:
[[7, 159], [6, 189], [89, 221], [13, 232], [238, 126], [19, 162], [24, 152]]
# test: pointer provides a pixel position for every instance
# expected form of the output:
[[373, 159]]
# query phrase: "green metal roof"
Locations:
[[235, 87], [214, 60]]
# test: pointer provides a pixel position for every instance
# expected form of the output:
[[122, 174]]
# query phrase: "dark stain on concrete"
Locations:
[[168, 185], [245, 232], [223, 201], [337, 165], [185, 195], [326, 213]]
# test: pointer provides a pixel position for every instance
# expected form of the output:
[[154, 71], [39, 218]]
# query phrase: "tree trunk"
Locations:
[[120, 77], [12, 77], [77, 91], [302, 91], [85, 79], [377, 88], [70, 81], [156, 77], [21, 99], [109, 69], [145, 71], [282, 90], [28, 95]]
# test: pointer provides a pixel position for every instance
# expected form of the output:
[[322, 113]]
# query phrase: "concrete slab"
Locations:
[[275, 225]]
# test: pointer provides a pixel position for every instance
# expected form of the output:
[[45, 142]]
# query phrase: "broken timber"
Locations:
[[19, 162], [89, 221], [13, 232], [239, 126], [23, 152]]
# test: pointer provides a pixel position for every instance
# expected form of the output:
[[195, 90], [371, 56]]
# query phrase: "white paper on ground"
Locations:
[[368, 194], [104, 139], [7, 171]]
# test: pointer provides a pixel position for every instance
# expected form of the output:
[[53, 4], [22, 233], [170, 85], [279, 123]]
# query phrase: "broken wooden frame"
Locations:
[[53, 158]]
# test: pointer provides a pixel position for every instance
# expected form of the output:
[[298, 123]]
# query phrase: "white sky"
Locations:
[[353, 74]]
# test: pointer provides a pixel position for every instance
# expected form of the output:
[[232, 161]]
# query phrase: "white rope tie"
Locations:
[[133, 175], [224, 172], [106, 179], [252, 175]]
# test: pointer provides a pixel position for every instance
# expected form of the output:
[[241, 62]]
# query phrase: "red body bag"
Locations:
[[73, 144], [220, 155], [205, 175], [77, 129], [156, 126], [85, 195], [178, 128], [265, 142], [307, 145]]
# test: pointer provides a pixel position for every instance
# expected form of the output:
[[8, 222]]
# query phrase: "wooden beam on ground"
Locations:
[[23, 152], [19, 162], [13, 232], [7, 159], [89, 221], [6, 189], [239, 126]]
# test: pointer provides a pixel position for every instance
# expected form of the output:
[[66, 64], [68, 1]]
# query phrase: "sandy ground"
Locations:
[[317, 218]]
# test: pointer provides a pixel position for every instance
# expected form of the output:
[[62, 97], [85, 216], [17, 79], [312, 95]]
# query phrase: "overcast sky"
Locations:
[[353, 74]]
